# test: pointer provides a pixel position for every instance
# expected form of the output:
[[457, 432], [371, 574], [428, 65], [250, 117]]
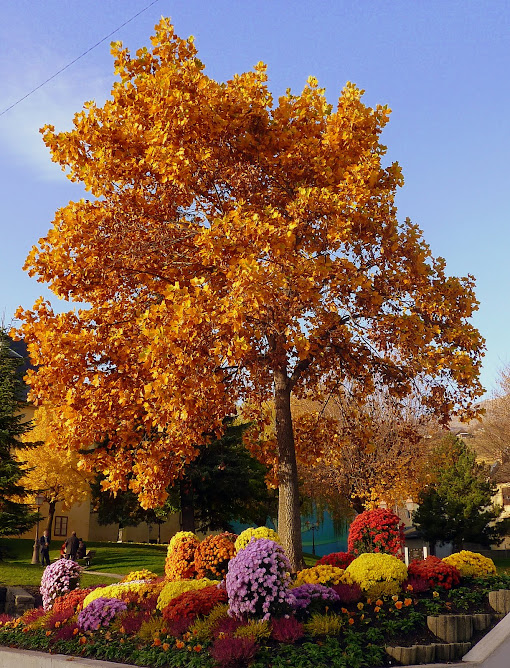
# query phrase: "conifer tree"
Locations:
[[458, 506], [15, 516]]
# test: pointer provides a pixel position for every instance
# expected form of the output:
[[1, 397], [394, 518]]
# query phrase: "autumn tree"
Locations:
[[52, 470], [371, 449], [15, 516], [234, 249], [491, 435], [458, 507]]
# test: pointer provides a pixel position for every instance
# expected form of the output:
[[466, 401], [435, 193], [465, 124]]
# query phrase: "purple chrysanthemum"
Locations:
[[306, 592], [100, 612], [258, 581], [58, 578]]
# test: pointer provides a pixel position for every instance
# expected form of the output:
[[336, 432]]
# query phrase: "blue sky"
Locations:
[[441, 66]]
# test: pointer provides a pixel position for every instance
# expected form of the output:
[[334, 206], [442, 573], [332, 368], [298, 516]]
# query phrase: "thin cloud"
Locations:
[[56, 103]]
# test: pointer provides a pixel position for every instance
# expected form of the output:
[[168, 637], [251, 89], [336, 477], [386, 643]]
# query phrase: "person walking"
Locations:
[[44, 548], [71, 544]]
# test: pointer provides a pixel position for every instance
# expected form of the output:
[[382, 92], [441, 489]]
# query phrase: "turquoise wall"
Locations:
[[327, 540]]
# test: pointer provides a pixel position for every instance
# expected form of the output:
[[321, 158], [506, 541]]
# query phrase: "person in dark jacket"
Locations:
[[72, 546], [82, 549], [44, 549]]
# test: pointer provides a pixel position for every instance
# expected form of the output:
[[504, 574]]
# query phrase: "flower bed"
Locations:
[[258, 616]]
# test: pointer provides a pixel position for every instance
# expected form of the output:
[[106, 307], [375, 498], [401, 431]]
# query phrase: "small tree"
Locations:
[[458, 506], [124, 507], [225, 470], [52, 470], [15, 517]]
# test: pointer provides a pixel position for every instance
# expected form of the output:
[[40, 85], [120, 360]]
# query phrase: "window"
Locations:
[[60, 526], [506, 495]]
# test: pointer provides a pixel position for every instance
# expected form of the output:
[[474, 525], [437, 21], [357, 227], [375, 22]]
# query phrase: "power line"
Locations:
[[78, 58]]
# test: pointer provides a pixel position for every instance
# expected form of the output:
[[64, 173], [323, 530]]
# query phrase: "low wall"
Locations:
[[18, 601], [11, 658]]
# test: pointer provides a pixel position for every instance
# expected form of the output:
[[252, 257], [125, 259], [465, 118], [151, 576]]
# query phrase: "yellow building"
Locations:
[[81, 519]]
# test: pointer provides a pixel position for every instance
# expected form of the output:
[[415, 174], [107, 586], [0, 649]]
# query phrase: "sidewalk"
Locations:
[[115, 576]]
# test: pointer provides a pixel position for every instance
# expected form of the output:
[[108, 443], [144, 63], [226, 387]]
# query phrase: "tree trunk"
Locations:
[[289, 519], [357, 504], [51, 514], [187, 507]]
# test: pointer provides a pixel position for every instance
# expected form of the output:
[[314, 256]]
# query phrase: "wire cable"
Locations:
[[78, 58]]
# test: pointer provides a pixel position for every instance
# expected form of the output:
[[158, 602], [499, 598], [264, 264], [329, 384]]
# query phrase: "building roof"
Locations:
[[19, 350]]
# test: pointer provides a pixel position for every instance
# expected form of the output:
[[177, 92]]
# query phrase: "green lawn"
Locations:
[[120, 558], [502, 563]]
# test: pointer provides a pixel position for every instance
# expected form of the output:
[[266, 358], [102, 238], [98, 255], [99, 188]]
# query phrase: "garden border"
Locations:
[[491, 652]]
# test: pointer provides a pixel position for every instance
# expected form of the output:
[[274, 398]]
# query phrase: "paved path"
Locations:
[[115, 576]]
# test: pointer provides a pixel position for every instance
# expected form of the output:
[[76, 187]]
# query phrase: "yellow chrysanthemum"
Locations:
[[260, 532], [323, 574], [471, 564], [173, 589], [142, 574], [377, 574]]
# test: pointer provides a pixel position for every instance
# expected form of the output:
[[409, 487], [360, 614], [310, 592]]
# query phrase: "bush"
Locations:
[[180, 560], [287, 629], [324, 625], [232, 652], [337, 559], [133, 590], [377, 574], [258, 580], [348, 593], [212, 556], [172, 590], [99, 613], [192, 604], [376, 531], [58, 578], [260, 532], [257, 629], [306, 593], [73, 599], [436, 572], [471, 564], [322, 574], [415, 584]]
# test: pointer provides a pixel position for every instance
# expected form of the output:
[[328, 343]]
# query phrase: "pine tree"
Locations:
[[458, 506], [225, 483], [15, 517]]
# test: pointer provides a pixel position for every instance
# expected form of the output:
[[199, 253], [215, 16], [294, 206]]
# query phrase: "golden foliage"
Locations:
[[53, 469], [233, 244]]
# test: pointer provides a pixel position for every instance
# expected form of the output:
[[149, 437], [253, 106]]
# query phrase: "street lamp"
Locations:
[[39, 500], [313, 527]]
